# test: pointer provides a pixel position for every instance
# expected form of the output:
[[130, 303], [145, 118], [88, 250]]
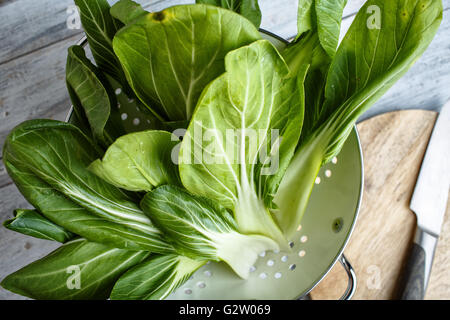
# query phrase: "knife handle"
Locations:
[[418, 267]]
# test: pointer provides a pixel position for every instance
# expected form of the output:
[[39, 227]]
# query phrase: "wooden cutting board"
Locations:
[[393, 147]]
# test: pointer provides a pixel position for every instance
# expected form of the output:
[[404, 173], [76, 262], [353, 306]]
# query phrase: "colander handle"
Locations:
[[351, 287]]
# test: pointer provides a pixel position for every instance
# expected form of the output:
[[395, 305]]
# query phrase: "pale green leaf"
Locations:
[[140, 161], [155, 278], [203, 230], [260, 106], [170, 56]]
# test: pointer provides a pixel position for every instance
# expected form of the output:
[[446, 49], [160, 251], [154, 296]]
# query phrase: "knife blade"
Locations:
[[429, 203], [429, 199]]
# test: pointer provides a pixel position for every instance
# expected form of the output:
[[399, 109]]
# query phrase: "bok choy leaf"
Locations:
[[127, 11], [170, 56], [155, 278], [247, 8], [93, 99], [58, 154], [33, 224], [203, 230], [243, 136], [367, 63], [65, 213], [77, 270], [139, 161], [100, 28]]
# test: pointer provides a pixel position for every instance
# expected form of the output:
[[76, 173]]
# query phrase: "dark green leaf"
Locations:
[[93, 97], [247, 8], [58, 154], [127, 11], [250, 9], [155, 278], [100, 28], [77, 270], [324, 18], [31, 223]]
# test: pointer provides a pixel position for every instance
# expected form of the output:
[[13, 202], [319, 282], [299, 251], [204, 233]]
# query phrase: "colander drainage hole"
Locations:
[[136, 121], [338, 223], [317, 180], [284, 258], [201, 285], [327, 173], [270, 262], [278, 275], [291, 244], [263, 275], [302, 253], [207, 273], [262, 254], [118, 91], [187, 291], [303, 239], [124, 116], [292, 267], [252, 269], [334, 160]]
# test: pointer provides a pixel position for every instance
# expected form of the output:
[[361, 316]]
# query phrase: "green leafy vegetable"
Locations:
[[368, 62], [77, 270], [100, 28], [253, 99], [127, 11], [31, 223], [247, 8], [260, 124], [139, 161], [65, 213], [323, 17], [92, 97], [202, 230], [170, 56], [58, 154], [155, 278]]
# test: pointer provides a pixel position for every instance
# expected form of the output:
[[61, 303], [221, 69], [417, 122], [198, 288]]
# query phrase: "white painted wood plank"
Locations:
[[28, 25]]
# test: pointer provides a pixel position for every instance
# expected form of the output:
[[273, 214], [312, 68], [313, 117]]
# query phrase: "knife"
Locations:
[[428, 202]]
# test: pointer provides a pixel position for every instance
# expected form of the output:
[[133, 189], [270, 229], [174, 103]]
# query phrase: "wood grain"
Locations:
[[393, 148]]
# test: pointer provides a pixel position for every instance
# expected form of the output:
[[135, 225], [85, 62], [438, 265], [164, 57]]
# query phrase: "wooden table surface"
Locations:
[[393, 145], [34, 38]]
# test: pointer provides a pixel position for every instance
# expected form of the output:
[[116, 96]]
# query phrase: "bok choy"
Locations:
[[139, 213], [202, 230], [367, 63]]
